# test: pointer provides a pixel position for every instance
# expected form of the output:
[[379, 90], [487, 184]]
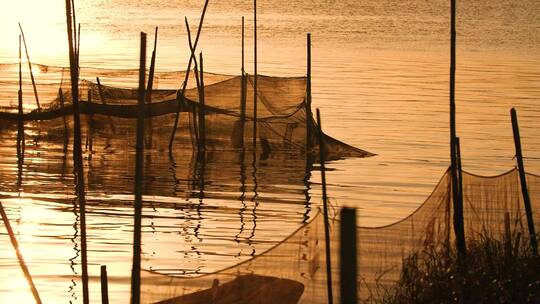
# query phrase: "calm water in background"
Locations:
[[380, 78]]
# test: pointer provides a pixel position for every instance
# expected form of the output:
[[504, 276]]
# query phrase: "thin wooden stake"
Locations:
[[186, 78], [136, 269], [77, 152], [104, 285], [255, 75], [348, 264], [459, 228], [30, 68], [322, 159], [523, 180], [15, 245]]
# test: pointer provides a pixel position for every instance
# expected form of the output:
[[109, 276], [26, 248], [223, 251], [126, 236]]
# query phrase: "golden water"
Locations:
[[380, 77]]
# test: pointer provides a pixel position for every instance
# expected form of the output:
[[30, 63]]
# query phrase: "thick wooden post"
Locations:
[[322, 158], [104, 285], [348, 263], [15, 245], [139, 158], [523, 180], [459, 229], [77, 151]]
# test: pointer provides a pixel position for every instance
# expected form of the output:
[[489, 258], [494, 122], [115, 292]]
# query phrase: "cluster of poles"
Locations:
[[348, 232]]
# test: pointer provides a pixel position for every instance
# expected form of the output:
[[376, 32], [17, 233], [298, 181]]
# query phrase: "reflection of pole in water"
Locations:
[[255, 201], [76, 249], [309, 141], [242, 197]]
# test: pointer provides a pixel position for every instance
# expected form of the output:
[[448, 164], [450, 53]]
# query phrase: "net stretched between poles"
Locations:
[[293, 271], [283, 118]]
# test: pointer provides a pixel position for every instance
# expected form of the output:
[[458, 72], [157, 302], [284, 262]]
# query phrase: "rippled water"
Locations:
[[380, 77]]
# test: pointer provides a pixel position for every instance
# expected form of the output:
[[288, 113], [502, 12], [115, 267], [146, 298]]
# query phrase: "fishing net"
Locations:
[[293, 271], [226, 120]]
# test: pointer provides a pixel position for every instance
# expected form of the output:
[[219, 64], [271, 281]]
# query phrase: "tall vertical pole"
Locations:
[[77, 151], [202, 110], [322, 158], [459, 229], [139, 158], [348, 263], [20, 122], [309, 114], [243, 89], [255, 76], [523, 180]]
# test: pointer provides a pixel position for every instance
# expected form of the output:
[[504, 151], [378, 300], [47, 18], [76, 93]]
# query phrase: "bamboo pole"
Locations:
[[322, 159], [255, 75], [459, 229], [104, 285], [523, 180], [196, 119], [243, 90], [150, 87], [136, 269], [20, 122], [15, 245], [348, 263], [309, 113], [186, 78], [77, 153], [202, 111], [30, 68]]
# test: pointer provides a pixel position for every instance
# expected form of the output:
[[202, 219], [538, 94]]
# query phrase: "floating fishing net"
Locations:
[[284, 121], [293, 271]]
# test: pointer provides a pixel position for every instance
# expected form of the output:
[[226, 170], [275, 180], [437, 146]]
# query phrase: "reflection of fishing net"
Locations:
[[284, 120], [381, 250]]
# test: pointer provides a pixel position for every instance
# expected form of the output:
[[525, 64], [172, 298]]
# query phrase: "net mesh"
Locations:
[[293, 271], [284, 121]]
